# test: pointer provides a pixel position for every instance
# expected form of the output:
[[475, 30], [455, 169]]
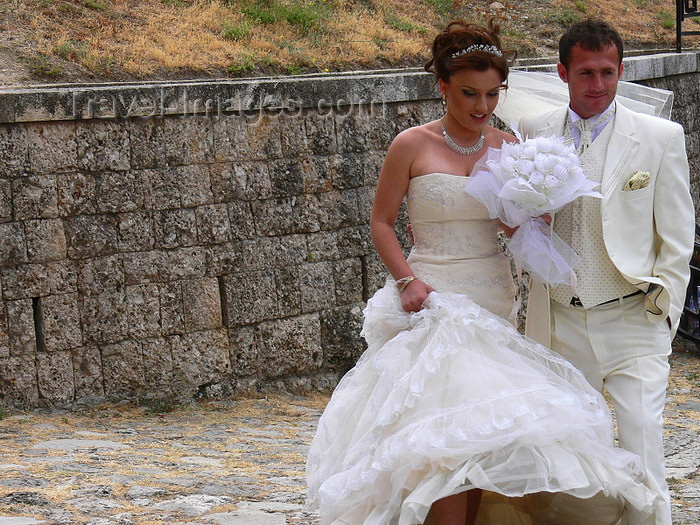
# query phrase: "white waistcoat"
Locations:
[[579, 224]]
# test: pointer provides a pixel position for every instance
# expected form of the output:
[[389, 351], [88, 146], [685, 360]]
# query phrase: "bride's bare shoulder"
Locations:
[[417, 136]]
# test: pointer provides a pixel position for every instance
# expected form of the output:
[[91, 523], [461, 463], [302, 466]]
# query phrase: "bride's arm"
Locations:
[[391, 188]]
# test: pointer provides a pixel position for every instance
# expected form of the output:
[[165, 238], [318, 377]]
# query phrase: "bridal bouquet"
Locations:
[[521, 182]]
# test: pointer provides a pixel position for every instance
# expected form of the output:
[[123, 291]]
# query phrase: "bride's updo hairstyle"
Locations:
[[463, 45]]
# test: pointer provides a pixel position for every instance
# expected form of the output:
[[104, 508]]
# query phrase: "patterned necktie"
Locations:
[[586, 129]]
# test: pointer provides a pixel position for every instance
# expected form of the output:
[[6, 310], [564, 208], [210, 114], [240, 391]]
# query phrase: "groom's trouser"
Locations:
[[618, 349]]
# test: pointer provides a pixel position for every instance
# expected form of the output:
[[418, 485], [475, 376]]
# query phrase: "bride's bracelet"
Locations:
[[402, 283]]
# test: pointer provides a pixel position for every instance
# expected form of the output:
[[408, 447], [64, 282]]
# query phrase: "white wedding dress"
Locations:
[[453, 397]]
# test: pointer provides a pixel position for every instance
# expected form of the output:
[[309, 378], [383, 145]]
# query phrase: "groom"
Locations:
[[617, 322]]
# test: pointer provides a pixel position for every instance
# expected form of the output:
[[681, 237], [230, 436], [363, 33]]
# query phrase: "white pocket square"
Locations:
[[639, 180]]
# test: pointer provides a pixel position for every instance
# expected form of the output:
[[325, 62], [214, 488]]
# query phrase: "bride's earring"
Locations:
[[444, 101]]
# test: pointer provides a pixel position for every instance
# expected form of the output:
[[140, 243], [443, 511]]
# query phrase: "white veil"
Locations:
[[531, 92]]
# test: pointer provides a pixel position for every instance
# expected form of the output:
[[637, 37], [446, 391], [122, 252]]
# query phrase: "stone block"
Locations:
[[353, 132], [354, 241], [185, 263], [102, 145], [365, 200], [320, 133], [91, 236], [21, 333], [317, 286], [61, 319], [322, 246], [14, 150], [290, 346], [294, 141], [141, 267], [55, 377], [62, 276], [240, 180], [188, 140], [13, 248], [35, 197], [288, 291], [347, 277], [202, 304], [5, 200], [244, 351], [148, 139], [123, 370], [87, 372], [340, 337], [213, 226], [241, 219], [194, 185], [119, 191], [161, 189], [158, 367], [143, 310], [4, 332], [46, 240], [274, 252], [52, 147], [374, 274], [135, 231], [172, 308], [250, 297], [76, 194], [101, 274], [25, 281], [319, 173], [200, 359], [338, 209], [18, 381], [286, 215], [175, 228], [231, 139], [225, 258], [286, 177], [263, 137], [104, 317]]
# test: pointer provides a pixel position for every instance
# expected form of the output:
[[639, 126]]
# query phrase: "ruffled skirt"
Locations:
[[453, 398]]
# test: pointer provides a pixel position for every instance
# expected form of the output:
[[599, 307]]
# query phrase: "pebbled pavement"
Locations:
[[236, 462]]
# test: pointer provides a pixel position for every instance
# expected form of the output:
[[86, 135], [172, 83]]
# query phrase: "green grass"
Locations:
[[92, 4], [303, 16], [667, 19], [236, 31], [441, 7], [403, 25], [580, 6], [70, 50], [566, 17], [41, 66]]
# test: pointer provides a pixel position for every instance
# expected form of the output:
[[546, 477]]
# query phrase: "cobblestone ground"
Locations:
[[237, 462]]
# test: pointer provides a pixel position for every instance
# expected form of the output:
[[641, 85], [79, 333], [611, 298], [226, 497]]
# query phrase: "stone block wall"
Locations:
[[199, 238]]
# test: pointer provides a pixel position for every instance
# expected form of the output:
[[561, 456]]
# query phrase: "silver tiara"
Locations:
[[492, 50]]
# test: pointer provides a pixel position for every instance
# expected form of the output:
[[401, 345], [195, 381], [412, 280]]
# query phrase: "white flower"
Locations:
[[524, 166]]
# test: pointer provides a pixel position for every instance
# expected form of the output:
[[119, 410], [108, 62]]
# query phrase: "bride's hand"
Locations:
[[414, 295]]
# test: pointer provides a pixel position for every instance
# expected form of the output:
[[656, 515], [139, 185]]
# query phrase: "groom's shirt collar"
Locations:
[[598, 122]]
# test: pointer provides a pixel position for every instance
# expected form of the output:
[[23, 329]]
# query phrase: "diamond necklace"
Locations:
[[459, 149]]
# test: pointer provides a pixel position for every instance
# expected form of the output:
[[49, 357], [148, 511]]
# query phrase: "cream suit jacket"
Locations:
[[648, 232]]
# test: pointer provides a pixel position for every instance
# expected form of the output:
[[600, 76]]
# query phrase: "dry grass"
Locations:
[[82, 40]]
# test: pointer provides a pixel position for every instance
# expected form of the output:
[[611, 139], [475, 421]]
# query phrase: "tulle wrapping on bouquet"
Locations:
[[519, 183]]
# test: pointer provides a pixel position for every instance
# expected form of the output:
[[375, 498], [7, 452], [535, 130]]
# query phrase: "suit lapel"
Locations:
[[621, 148]]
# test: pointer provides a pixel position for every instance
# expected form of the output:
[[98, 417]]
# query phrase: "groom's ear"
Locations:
[[563, 73]]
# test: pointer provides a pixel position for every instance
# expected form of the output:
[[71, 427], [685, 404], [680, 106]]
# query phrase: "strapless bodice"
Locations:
[[456, 246]]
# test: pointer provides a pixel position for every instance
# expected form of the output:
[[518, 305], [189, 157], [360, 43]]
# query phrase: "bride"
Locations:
[[451, 416]]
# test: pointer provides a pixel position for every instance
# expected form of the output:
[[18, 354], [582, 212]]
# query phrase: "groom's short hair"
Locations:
[[591, 34]]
